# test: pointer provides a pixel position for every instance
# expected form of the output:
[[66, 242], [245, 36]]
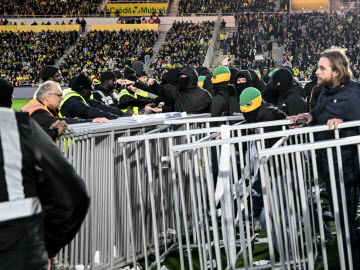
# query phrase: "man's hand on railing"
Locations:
[[334, 122], [296, 118]]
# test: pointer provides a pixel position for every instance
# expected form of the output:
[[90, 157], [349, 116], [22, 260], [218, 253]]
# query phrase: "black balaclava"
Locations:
[[250, 117], [285, 78], [183, 82], [243, 74], [233, 73]]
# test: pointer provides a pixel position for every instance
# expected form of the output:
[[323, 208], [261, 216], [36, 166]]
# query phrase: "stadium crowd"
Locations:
[[185, 45], [305, 39], [48, 7], [226, 7], [23, 54], [108, 50]]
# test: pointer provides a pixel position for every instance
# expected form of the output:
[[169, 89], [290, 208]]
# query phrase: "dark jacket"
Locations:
[[130, 100], [293, 101], [27, 240], [106, 97], [75, 107], [341, 102], [193, 99], [268, 113], [220, 101]]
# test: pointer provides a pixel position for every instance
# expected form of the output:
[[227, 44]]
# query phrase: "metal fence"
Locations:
[[103, 241], [187, 186]]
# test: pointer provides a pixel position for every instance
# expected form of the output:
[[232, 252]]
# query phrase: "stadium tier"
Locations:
[[185, 45], [99, 51]]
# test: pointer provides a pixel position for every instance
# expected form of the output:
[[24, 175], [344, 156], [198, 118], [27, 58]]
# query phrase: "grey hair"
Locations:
[[46, 88]]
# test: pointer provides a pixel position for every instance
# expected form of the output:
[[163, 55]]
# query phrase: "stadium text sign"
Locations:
[[136, 9]]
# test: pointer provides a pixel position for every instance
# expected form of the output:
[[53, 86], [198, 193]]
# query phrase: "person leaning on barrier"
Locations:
[[43, 202], [187, 96], [338, 102], [106, 92], [76, 102], [44, 108]]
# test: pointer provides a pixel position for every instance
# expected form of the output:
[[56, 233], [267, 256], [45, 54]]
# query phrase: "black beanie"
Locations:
[[48, 71], [107, 75], [6, 91], [80, 82], [118, 74], [128, 71], [143, 73]]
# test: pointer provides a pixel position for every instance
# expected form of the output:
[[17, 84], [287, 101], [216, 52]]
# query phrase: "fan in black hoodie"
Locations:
[[187, 96], [223, 91], [242, 80], [256, 82], [292, 97]]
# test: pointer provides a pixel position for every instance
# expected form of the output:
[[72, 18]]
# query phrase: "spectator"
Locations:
[[339, 102], [83, 24]]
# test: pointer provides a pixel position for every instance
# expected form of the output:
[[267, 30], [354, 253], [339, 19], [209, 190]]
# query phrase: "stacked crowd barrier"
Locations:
[[154, 191], [105, 239]]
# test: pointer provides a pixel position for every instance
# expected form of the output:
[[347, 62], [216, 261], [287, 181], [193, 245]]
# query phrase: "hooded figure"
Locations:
[[208, 85], [265, 74], [233, 73], [187, 96], [242, 80], [138, 67], [292, 97], [223, 90], [256, 82]]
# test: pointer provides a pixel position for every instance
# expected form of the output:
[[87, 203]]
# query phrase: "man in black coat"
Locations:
[[187, 96], [42, 200]]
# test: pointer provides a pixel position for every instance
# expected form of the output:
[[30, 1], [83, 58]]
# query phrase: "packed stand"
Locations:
[[185, 45], [254, 37], [23, 54], [138, 20], [228, 6], [100, 51], [48, 7], [303, 45]]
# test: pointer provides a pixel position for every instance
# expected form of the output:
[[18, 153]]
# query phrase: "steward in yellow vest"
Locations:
[[77, 102]]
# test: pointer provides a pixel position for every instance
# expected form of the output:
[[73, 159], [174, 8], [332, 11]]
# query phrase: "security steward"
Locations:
[[77, 102], [43, 202], [106, 92], [129, 99], [43, 108]]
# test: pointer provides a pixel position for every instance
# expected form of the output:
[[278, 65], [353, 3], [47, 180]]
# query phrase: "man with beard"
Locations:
[[76, 101], [339, 101], [187, 96], [105, 92], [291, 96]]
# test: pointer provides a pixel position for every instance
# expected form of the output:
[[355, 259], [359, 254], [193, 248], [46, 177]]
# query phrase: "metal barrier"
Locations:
[[155, 190], [103, 241], [295, 228]]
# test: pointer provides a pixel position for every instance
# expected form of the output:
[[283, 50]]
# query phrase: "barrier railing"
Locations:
[[187, 186], [103, 241]]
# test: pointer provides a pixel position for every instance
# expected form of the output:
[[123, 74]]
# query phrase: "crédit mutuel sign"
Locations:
[[137, 9]]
